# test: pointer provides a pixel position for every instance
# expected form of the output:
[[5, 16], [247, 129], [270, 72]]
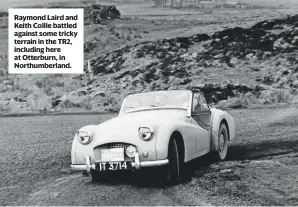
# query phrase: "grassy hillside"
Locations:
[[151, 57]]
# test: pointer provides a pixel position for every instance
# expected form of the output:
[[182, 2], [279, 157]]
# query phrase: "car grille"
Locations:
[[97, 152]]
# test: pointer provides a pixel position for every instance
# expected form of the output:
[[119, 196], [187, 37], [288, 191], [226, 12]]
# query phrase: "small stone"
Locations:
[[295, 40], [258, 79], [251, 57], [194, 55], [193, 182], [160, 55], [226, 171], [213, 166], [234, 61], [295, 83]]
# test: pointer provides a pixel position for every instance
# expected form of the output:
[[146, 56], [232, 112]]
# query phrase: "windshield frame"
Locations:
[[147, 108]]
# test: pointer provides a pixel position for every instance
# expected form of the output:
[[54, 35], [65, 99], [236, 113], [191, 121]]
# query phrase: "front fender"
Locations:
[[219, 116], [165, 132], [79, 151]]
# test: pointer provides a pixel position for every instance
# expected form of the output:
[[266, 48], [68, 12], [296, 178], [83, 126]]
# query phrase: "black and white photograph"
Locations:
[[149, 103]]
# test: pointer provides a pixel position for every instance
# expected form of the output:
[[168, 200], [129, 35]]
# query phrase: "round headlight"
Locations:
[[130, 151], [84, 137], [145, 133]]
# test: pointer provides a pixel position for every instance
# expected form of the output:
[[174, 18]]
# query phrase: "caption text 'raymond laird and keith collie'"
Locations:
[[47, 40]]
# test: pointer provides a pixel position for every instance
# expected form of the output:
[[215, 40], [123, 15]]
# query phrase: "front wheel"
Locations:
[[94, 176], [223, 138], [174, 168]]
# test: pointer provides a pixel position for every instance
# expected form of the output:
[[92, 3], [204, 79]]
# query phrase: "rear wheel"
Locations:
[[223, 138], [174, 168]]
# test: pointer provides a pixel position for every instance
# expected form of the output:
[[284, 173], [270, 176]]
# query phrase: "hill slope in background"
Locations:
[[245, 59], [256, 64]]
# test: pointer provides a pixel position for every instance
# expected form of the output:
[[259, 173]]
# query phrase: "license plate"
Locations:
[[115, 154], [107, 166]]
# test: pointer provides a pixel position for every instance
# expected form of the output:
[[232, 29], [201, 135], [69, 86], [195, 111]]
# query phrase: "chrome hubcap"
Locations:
[[221, 142]]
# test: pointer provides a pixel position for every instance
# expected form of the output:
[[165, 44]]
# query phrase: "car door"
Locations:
[[201, 115]]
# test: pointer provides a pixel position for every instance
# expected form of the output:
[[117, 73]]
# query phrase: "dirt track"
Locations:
[[261, 169]]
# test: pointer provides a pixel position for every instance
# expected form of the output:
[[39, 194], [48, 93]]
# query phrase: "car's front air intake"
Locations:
[[97, 150]]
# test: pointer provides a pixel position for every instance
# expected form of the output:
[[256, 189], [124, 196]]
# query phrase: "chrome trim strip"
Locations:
[[88, 163], [137, 161], [81, 167], [154, 163]]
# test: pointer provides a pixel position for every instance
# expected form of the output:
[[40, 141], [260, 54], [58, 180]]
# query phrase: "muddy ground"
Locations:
[[261, 168]]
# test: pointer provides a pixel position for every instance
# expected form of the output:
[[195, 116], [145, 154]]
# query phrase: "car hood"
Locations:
[[153, 117], [125, 127]]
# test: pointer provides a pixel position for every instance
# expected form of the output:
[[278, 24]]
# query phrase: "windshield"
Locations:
[[170, 99]]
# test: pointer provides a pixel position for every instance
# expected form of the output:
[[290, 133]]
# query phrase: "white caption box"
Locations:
[[47, 41]]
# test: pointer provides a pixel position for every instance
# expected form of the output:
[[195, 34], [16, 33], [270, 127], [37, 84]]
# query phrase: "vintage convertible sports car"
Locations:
[[161, 128]]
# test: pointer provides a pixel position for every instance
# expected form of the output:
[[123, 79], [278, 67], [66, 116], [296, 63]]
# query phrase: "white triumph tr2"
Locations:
[[152, 129]]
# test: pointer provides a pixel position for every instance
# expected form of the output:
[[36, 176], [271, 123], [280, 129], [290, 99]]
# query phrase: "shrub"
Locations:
[[69, 104], [277, 96], [4, 109]]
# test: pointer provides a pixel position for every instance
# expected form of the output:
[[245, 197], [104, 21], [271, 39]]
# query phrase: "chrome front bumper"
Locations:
[[136, 165]]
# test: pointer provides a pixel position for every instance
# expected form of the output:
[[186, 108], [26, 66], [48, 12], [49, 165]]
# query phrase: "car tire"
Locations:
[[223, 139], [174, 168], [94, 176]]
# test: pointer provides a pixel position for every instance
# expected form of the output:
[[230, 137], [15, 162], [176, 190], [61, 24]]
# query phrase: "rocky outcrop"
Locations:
[[4, 20], [96, 13], [218, 92], [93, 14], [263, 40], [3, 14]]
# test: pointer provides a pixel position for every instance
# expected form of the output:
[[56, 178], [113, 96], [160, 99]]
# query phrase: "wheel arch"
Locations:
[[165, 134], [180, 142], [220, 117]]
